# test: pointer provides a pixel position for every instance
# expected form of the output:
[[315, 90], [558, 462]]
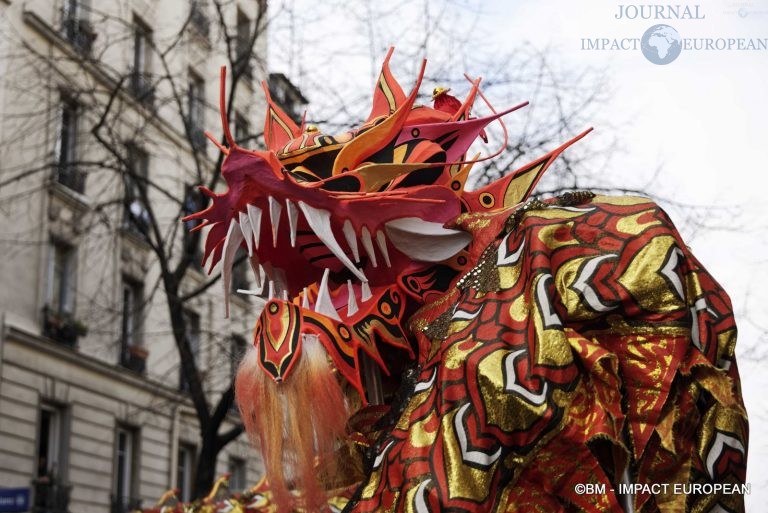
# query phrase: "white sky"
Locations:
[[703, 117]]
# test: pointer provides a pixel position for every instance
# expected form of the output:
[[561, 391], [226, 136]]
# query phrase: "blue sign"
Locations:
[[14, 500]]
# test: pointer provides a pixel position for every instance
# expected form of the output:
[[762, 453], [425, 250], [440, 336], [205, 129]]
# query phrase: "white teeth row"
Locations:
[[323, 305], [320, 222], [247, 227]]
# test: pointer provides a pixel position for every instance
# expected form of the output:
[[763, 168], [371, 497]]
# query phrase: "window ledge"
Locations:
[[71, 198]]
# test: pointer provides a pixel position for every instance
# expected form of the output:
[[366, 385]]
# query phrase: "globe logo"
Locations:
[[661, 44]]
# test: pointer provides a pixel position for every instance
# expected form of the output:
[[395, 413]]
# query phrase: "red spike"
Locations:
[[215, 141], [206, 191], [199, 226]]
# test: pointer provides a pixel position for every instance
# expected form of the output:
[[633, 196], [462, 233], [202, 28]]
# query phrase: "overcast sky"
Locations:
[[702, 117]]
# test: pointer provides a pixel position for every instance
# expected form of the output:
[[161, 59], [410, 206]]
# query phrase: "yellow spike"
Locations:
[[168, 495], [459, 180], [222, 481]]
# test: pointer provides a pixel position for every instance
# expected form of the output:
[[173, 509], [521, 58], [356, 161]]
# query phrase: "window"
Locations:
[[198, 18], [67, 172], [185, 471], [192, 325], [50, 493], [237, 482], [125, 485], [62, 278], [242, 129], [286, 95], [132, 355], [244, 43], [193, 202], [75, 26], [196, 109], [141, 78], [59, 322], [136, 179], [237, 349]]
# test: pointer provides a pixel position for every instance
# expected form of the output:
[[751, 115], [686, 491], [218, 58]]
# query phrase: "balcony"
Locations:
[[142, 88], [51, 496], [71, 177], [124, 504], [134, 358], [80, 34], [62, 327]]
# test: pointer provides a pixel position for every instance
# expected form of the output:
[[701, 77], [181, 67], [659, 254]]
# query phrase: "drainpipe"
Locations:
[[2, 341]]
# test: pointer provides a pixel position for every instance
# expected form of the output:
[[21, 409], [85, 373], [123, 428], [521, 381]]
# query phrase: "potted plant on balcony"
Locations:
[[63, 327], [137, 358]]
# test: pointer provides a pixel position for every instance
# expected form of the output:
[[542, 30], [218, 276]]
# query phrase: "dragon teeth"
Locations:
[[254, 216], [320, 223], [365, 236], [293, 218], [324, 305], [365, 291], [275, 208], [249, 292], [351, 300], [258, 272], [231, 243], [245, 229], [381, 241], [349, 235], [305, 299]]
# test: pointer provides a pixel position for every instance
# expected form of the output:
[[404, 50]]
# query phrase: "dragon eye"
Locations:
[[487, 200]]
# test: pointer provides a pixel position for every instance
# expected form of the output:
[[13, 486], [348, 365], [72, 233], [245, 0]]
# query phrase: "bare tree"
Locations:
[[118, 109]]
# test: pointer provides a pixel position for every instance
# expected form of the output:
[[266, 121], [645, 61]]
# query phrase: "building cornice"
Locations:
[[35, 341]]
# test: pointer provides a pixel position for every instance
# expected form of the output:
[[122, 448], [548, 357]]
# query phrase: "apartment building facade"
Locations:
[[95, 414]]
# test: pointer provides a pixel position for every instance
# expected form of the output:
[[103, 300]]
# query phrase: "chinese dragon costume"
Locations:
[[424, 347]]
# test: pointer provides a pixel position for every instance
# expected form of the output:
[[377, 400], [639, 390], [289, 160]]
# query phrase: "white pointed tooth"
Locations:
[[365, 291], [381, 241], [285, 295], [324, 305], [365, 236], [275, 208], [258, 274], [245, 229], [320, 222], [254, 216], [349, 234], [249, 292], [293, 220], [231, 243], [305, 299], [271, 290], [351, 300]]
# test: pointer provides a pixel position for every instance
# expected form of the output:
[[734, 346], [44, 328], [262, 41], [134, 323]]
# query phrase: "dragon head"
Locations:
[[347, 235]]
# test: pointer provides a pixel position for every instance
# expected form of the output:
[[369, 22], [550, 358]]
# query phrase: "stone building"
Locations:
[[94, 413]]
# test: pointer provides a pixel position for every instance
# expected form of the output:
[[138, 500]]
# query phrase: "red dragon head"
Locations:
[[346, 234]]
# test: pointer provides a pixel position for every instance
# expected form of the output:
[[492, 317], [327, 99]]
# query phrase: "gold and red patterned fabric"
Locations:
[[585, 335]]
